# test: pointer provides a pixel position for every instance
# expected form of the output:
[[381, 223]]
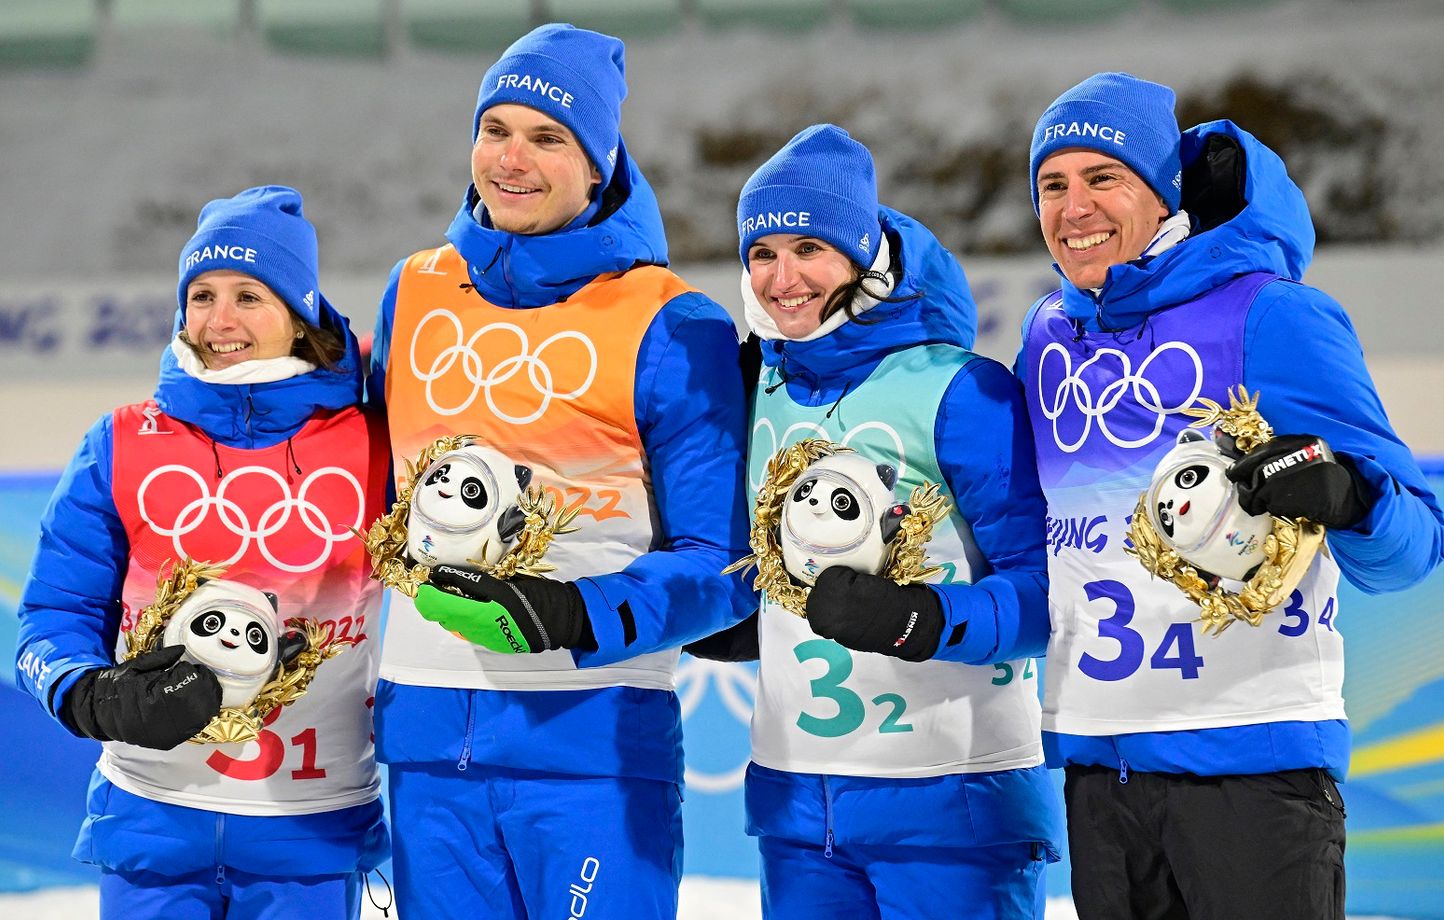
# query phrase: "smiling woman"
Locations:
[[250, 293], [231, 317], [255, 415], [936, 790]]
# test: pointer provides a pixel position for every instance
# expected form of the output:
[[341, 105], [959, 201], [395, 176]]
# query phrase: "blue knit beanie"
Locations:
[[1122, 116], [821, 183], [572, 75], [262, 233]]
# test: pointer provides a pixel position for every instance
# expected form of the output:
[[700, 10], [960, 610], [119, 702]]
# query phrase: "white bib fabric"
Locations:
[[312, 756], [1129, 655], [822, 708]]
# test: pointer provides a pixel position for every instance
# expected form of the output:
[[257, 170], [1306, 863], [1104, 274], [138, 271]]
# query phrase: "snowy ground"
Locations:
[[702, 899]]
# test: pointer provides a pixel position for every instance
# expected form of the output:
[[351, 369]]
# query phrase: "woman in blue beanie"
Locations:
[[896, 762], [253, 455]]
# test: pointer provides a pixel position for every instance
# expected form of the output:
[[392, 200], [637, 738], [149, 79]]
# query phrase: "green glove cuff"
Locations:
[[484, 623]]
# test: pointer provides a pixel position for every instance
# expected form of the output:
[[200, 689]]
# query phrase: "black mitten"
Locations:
[[872, 614], [155, 701], [1296, 476], [737, 642]]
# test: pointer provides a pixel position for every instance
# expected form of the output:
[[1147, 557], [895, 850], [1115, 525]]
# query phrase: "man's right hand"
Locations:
[[154, 701]]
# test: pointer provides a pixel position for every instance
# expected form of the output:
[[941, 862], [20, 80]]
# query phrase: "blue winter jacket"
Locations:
[[688, 361], [70, 615], [995, 482], [1401, 539]]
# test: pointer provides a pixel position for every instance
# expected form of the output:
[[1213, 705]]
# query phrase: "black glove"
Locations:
[[872, 614], [517, 616], [1296, 476], [737, 642], [155, 700]]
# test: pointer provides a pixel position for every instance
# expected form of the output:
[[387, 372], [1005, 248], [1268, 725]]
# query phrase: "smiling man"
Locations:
[[531, 725], [1201, 771]]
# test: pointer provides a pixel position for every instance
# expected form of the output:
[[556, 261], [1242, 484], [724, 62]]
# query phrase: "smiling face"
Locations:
[[1194, 508], [794, 278], [530, 171], [1095, 213], [833, 515], [459, 491], [825, 511], [464, 508], [1188, 501], [233, 639], [231, 317]]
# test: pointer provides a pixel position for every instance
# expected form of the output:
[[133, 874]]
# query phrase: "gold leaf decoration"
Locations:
[[386, 539], [906, 561], [1289, 548], [1241, 419], [234, 723]]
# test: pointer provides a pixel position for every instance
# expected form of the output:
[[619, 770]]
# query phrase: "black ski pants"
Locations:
[[1173, 846]]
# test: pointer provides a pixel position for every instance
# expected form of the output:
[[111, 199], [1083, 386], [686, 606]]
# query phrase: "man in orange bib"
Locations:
[[531, 725]]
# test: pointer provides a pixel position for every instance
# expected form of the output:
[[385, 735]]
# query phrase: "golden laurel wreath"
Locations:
[[1288, 550], [906, 560], [386, 539], [234, 723]]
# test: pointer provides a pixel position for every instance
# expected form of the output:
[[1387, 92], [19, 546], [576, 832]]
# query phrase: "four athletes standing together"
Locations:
[[899, 754]]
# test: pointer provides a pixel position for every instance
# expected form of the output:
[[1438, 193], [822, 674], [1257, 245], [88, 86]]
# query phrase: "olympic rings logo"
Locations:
[[235, 520], [463, 356], [1073, 391], [799, 430], [737, 689]]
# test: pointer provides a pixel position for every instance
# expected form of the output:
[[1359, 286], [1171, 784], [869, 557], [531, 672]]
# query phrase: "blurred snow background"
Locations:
[[105, 166]]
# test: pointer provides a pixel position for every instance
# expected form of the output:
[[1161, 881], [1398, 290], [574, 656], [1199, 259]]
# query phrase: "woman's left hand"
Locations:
[[868, 613]]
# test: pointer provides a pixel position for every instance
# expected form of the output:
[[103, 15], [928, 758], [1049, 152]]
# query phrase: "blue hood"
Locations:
[[254, 415], [1273, 233], [931, 304], [516, 270]]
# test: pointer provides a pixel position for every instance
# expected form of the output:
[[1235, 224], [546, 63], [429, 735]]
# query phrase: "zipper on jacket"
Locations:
[[250, 412], [220, 838], [1122, 764], [827, 818], [470, 724]]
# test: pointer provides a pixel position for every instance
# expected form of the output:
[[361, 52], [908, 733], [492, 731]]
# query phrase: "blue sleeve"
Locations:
[[1302, 355], [985, 451], [691, 412], [70, 607], [381, 340]]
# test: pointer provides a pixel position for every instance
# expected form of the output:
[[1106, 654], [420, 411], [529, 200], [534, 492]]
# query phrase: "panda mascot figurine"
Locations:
[[840, 511], [234, 630], [464, 509], [1193, 507]]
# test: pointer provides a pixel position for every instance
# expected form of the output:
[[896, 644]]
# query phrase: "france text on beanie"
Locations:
[[822, 184], [1122, 116], [262, 233], [572, 75]]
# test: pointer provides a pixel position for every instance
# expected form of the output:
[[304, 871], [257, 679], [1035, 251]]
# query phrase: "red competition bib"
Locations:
[[281, 519]]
